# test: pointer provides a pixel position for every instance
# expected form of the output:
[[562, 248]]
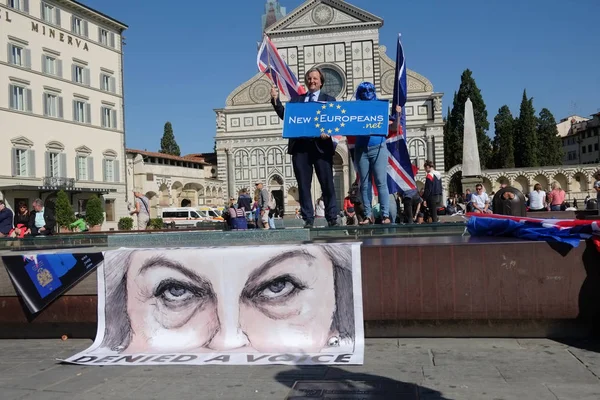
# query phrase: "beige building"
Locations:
[[172, 181], [580, 139], [342, 40], [61, 112]]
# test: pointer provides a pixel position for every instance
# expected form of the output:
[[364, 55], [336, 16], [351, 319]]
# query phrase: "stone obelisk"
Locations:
[[471, 165]]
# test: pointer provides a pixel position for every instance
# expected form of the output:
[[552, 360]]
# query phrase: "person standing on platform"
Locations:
[[310, 154], [372, 158], [433, 190]]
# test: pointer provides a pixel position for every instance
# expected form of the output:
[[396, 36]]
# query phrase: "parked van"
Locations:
[[181, 217], [210, 213]]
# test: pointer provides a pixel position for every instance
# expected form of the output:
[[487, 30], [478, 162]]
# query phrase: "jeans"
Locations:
[[372, 163]]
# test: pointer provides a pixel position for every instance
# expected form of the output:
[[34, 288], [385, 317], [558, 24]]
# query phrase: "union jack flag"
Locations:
[[569, 231], [401, 173], [270, 63]]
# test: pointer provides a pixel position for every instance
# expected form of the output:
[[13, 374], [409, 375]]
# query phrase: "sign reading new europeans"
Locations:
[[344, 118]]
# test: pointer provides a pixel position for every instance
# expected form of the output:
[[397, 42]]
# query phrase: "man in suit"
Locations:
[[311, 153]]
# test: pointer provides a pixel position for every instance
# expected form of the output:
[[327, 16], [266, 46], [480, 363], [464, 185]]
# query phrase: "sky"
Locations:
[[181, 62]]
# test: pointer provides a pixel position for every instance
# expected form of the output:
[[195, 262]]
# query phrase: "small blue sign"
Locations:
[[344, 118], [43, 277]]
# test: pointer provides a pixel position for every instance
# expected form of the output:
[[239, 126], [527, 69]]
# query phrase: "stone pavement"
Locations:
[[429, 369]]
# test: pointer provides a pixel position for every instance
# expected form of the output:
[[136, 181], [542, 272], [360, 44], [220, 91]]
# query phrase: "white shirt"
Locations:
[[536, 199], [479, 200], [314, 94]]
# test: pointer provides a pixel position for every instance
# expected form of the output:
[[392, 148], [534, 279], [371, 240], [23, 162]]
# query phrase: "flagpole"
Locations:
[[269, 63]]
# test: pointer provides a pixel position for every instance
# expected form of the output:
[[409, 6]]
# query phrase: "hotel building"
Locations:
[[62, 110]]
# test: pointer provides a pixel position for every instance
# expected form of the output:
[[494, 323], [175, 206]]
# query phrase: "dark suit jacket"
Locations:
[[295, 145], [48, 218]]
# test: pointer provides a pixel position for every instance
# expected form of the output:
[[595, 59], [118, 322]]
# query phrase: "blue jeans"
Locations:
[[372, 164]]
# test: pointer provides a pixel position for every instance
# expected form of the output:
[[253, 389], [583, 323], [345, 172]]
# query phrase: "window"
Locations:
[[81, 75], [109, 117], [21, 5], [107, 83], [53, 165], [50, 14], [20, 98], [84, 167], [110, 167], [17, 55], [334, 82], [53, 105], [79, 26], [106, 38], [81, 112], [23, 161], [109, 209]]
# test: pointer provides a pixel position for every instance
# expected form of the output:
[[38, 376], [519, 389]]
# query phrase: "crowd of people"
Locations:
[[39, 221]]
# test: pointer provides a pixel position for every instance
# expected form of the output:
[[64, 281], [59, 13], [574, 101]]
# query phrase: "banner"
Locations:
[[344, 118], [41, 278], [239, 305]]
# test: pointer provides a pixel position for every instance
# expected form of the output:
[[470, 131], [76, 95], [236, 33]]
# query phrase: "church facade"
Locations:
[[343, 41]]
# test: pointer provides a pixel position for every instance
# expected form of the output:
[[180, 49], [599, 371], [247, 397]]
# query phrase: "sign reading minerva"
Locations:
[[344, 118], [50, 32]]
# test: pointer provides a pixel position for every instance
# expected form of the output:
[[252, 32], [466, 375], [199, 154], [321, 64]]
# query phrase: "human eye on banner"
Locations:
[[288, 304], [341, 118]]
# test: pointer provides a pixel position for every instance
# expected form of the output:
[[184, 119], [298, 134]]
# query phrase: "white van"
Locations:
[[181, 217]]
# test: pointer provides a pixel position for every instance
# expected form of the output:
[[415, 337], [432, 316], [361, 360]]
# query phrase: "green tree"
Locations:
[[504, 135], [526, 141], [550, 147], [455, 125], [168, 145], [64, 211], [94, 214]]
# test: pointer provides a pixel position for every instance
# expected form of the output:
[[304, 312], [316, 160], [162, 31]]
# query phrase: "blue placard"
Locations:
[[43, 277], [345, 118]]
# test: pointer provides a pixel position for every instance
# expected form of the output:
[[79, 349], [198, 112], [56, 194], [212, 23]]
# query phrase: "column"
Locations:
[[230, 183], [430, 150]]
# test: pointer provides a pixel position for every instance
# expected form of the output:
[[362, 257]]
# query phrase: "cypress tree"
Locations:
[[526, 143], [168, 145], [468, 89], [503, 145], [550, 150]]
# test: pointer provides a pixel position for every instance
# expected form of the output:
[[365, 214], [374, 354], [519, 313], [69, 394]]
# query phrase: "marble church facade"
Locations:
[[343, 41]]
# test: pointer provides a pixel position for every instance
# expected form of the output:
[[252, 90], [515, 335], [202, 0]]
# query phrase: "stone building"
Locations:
[[172, 181], [342, 40], [61, 106], [580, 139]]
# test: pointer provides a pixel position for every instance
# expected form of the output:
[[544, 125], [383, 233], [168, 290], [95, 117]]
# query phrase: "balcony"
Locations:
[[58, 182]]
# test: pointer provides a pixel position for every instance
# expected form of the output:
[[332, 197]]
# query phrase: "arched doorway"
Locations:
[[455, 183], [276, 189], [153, 200]]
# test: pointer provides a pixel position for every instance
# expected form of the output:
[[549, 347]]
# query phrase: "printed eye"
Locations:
[[279, 288], [176, 294]]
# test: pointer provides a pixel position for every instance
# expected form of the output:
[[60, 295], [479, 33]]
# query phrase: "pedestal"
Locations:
[[469, 182]]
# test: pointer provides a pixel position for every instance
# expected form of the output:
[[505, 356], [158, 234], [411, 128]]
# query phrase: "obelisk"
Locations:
[[471, 165]]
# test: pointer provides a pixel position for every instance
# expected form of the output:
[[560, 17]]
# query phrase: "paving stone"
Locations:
[[575, 391]]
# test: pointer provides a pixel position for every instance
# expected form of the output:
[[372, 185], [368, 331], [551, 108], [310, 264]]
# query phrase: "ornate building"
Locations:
[[172, 181], [343, 41], [273, 13]]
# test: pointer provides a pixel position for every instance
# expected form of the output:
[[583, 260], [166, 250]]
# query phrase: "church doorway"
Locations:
[[186, 203]]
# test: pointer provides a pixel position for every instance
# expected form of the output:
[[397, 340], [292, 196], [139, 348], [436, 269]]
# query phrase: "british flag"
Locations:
[[569, 231], [270, 63], [401, 174]]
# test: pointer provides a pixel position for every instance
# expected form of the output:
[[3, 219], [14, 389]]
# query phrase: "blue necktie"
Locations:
[[311, 97]]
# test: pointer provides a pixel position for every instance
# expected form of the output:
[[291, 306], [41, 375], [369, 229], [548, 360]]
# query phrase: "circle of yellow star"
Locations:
[[338, 107], [342, 124], [318, 112], [337, 129], [317, 125], [324, 106], [330, 104], [329, 131], [316, 119], [343, 111], [322, 129]]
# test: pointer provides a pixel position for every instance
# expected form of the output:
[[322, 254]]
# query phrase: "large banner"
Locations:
[[41, 278], [279, 304], [343, 118]]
